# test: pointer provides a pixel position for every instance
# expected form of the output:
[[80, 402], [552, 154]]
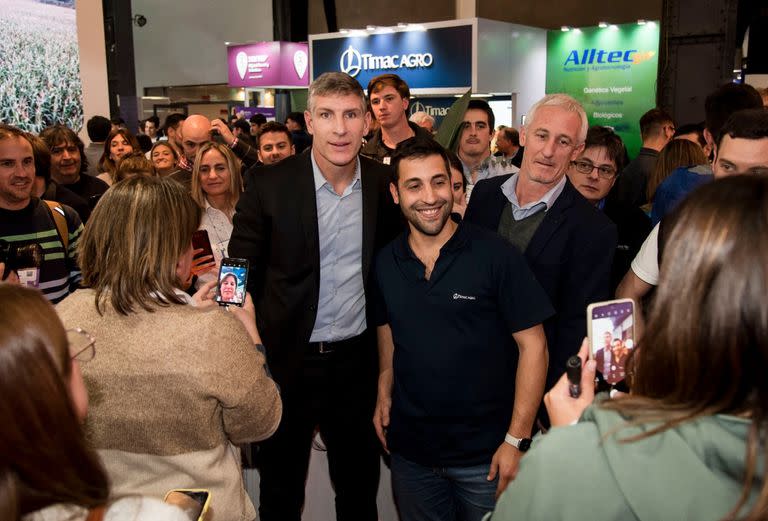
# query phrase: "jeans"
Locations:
[[442, 493]]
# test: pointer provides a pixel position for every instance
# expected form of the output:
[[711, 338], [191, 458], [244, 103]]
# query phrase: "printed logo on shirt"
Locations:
[[458, 296]]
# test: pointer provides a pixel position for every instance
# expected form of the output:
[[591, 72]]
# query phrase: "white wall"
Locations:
[[183, 42], [512, 58], [93, 60]]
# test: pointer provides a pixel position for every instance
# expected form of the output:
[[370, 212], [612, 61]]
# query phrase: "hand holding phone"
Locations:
[[194, 502], [611, 330]]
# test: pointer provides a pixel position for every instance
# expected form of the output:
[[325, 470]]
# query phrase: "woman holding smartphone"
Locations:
[[689, 442], [47, 470], [216, 188], [180, 381]]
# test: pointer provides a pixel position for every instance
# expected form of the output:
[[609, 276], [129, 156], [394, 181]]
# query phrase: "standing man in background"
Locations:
[[98, 128], [389, 96], [475, 146]]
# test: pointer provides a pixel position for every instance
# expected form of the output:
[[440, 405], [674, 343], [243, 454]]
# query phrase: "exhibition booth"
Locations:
[[501, 62]]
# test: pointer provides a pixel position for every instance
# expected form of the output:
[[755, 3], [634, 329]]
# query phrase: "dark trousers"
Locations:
[[335, 392]]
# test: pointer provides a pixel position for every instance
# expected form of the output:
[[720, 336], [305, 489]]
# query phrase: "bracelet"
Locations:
[[234, 142]]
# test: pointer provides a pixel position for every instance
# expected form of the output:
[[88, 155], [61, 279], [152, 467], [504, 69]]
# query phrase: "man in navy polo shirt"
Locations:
[[462, 351]]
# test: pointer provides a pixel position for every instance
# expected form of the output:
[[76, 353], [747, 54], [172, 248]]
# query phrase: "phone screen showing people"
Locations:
[[611, 337], [233, 276], [194, 503]]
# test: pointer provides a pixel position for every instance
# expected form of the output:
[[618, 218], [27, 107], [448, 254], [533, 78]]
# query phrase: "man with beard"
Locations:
[[28, 223], [462, 352], [475, 146]]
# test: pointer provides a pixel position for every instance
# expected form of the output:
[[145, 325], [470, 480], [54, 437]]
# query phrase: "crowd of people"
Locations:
[[403, 300]]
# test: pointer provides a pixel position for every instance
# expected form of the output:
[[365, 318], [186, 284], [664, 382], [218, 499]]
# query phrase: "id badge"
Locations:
[[221, 249], [29, 277]]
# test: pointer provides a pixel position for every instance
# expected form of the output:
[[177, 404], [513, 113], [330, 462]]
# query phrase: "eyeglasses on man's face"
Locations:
[[585, 166], [82, 346]]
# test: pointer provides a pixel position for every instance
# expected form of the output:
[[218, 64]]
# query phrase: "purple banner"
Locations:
[[269, 64]]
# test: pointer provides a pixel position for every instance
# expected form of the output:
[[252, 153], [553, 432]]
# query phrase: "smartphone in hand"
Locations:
[[233, 278], [611, 332], [194, 502], [200, 240]]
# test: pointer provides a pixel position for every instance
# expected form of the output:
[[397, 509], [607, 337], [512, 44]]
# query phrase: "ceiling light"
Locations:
[[565, 28], [602, 24]]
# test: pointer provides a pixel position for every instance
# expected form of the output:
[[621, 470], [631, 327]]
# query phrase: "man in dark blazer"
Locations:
[[568, 244], [310, 226]]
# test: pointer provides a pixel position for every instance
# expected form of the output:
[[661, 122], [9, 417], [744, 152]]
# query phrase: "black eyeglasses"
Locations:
[[585, 166], [82, 346]]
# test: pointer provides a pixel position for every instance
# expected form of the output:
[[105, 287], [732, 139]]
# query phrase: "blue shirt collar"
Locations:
[[320, 180], [548, 199]]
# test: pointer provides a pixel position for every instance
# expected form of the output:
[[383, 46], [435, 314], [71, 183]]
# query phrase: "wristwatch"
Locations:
[[521, 444]]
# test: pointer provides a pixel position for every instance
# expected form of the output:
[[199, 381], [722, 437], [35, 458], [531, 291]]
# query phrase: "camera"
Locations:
[[20, 256]]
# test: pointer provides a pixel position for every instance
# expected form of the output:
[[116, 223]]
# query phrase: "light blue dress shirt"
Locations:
[[545, 203], [341, 306]]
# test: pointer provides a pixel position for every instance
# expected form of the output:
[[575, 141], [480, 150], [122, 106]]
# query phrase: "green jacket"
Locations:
[[692, 472]]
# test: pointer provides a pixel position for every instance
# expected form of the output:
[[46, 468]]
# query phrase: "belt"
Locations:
[[327, 348]]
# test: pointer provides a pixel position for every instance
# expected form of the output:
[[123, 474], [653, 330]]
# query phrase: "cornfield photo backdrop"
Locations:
[[39, 65]]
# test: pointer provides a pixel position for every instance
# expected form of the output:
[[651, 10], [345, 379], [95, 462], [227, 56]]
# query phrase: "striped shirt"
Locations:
[[59, 273]]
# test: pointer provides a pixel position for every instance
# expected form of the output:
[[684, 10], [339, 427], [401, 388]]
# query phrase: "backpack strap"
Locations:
[[57, 212]]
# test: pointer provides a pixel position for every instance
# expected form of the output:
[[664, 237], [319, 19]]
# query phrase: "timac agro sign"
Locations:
[[438, 58], [352, 62]]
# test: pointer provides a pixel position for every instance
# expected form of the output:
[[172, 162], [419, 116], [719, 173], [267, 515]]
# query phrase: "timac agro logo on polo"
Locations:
[[352, 61], [459, 296]]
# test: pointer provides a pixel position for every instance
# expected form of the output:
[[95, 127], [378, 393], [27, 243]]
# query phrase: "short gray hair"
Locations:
[[566, 103], [421, 116], [336, 83]]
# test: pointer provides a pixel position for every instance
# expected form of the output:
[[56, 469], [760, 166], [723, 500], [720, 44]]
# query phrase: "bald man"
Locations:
[[194, 131]]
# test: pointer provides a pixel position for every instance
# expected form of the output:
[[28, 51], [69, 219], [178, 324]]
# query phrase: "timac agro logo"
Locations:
[[352, 61], [619, 58], [418, 106]]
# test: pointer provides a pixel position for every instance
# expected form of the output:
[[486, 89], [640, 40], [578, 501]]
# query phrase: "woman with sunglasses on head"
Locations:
[[689, 441], [593, 174], [47, 470], [180, 381]]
